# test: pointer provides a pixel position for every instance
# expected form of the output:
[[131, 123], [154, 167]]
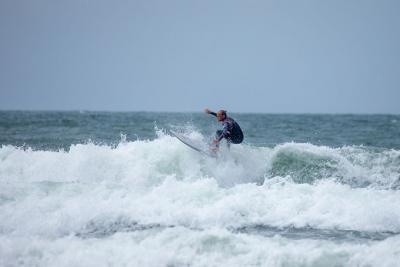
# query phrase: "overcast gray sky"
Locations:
[[280, 56]]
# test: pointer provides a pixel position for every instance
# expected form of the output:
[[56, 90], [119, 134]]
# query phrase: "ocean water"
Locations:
[[115, 189]]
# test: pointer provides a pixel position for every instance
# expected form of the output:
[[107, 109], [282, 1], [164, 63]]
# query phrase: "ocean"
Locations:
[[116, 189]]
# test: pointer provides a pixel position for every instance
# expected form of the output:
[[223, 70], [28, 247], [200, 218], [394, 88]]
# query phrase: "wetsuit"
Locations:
[[231, 131]]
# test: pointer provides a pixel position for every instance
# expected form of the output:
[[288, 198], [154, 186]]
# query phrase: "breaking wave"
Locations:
[[155, 190]]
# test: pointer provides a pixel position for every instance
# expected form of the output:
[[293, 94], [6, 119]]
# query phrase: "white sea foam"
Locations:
[[182, 247], [158, 202]]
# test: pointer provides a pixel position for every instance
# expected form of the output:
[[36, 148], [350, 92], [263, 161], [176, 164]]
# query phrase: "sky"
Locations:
[[271, 56]]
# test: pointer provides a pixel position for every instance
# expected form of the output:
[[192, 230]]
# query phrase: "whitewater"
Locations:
[[156, 202]]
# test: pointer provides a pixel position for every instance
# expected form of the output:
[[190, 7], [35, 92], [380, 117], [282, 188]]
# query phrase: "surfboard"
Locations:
[[190, 143]]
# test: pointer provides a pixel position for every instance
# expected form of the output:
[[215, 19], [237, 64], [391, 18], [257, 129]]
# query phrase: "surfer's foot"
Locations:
[[214, 149]]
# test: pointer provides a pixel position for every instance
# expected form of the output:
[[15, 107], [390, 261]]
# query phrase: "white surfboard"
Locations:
[[193, 145]]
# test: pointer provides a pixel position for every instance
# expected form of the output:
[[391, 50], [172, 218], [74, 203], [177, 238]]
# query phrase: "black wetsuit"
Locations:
[[231, 131]]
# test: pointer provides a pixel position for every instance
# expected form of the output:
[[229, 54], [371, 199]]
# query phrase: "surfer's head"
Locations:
[[221, 115]]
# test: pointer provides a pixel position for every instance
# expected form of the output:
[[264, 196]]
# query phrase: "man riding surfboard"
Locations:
[[231, 130]]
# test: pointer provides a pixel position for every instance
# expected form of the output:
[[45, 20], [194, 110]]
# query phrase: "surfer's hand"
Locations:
[[207, 111], [215, 141]]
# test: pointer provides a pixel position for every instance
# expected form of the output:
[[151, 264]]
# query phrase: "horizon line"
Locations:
[[197, 111]]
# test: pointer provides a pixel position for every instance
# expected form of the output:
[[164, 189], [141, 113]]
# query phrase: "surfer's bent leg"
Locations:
[[217, 135], [228, 139]]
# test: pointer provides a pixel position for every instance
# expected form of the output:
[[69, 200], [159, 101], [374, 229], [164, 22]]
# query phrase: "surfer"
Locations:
[[230, 129]]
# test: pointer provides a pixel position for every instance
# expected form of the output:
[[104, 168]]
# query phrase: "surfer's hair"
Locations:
[[223, 112]]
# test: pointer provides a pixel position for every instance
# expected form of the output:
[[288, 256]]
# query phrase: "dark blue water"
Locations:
[[55, 130]]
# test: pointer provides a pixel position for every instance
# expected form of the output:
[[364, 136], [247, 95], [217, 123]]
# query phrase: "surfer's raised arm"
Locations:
[[208, 111]]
